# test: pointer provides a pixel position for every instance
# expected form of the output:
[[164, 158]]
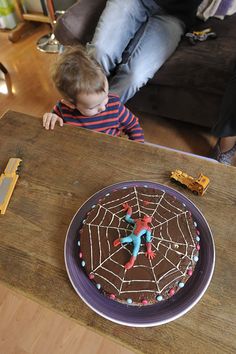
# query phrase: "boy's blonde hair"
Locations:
[[77, 72]]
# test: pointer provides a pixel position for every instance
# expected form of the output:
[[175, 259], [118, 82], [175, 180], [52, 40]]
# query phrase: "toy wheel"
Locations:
[[176, 182]]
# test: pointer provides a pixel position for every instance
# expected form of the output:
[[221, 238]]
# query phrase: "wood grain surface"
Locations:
[[63, 168], [26, 327]]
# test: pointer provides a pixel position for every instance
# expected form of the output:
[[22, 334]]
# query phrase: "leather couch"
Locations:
[[189, 86]]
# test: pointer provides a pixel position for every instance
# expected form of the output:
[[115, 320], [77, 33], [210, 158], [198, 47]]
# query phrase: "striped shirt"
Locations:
[[116, 119]]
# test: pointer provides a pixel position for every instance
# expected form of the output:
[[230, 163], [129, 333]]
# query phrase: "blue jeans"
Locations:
[[132, 40]]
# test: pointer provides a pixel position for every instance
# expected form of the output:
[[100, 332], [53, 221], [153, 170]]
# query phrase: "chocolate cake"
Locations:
[[174, 245]]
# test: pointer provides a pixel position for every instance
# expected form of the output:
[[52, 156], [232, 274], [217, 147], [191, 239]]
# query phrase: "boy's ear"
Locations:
[[68, 103]]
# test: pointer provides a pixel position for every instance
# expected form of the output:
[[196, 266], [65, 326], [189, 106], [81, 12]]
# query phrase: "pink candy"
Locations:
[[91, 276], [144, 302], [190, 272], [80, 255], [198, 247], [172, 291], [112, 296]]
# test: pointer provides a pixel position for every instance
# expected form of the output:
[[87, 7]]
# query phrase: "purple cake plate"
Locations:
[[150, 315]]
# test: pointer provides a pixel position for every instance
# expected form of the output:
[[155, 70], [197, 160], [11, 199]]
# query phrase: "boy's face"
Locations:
[[91, 104]]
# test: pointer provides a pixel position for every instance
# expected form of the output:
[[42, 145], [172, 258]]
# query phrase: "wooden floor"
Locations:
[[26, 327]]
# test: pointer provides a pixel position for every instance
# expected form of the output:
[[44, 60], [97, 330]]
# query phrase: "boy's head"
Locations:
[[81, 81]]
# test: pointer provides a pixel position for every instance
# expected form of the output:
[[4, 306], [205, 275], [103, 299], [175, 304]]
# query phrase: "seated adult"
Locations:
[[134, 38]]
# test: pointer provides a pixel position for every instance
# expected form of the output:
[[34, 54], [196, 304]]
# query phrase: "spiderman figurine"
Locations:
[[140, 228]]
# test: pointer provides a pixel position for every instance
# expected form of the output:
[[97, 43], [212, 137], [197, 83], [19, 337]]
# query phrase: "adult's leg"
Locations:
[[225, 128], [226, 124], [158, 39], [118, 24]]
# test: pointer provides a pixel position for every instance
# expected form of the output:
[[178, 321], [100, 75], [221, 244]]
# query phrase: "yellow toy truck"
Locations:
[[197, 185]]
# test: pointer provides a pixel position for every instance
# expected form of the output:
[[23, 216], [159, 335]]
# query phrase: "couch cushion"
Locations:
[[206, 66], [78, 23], [192, 106]]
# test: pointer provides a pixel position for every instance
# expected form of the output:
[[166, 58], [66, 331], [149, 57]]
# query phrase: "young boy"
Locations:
[[86, 102]]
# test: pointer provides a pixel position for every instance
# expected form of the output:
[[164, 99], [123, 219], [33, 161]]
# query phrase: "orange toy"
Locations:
[[197, 185]]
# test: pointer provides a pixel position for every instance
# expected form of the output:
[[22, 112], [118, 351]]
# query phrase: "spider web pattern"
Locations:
[[173, 240]]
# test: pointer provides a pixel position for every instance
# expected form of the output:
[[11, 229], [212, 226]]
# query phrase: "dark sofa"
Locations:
[[189, 86]]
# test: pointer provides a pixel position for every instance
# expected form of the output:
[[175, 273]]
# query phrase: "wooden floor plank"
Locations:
[[28, 328]]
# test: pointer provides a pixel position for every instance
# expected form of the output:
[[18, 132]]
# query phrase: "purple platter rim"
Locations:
[[150, 315]]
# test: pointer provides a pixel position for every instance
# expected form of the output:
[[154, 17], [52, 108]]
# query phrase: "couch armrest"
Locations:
[[78, 23]]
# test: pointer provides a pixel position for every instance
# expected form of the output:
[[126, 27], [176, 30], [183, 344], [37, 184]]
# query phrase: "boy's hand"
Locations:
[[50, 119]]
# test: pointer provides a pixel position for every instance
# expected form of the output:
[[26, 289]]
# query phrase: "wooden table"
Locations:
[[63, 168]]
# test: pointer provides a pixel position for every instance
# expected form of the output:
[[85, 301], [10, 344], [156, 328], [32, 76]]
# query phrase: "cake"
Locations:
[[156, 274]]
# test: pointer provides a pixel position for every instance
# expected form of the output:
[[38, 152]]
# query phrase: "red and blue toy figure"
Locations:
[[141, 228]]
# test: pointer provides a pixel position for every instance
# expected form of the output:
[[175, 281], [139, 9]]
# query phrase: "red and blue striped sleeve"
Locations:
[[57, 109], [129, 124]]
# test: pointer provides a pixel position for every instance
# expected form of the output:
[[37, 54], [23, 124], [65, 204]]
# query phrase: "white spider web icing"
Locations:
[[173, 242]]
